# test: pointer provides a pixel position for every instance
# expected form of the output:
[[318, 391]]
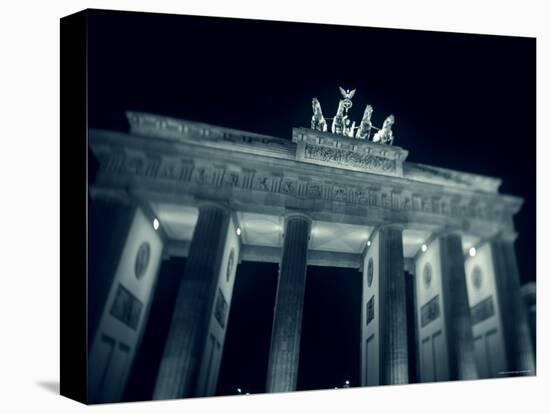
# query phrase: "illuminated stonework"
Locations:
[[221, 196]]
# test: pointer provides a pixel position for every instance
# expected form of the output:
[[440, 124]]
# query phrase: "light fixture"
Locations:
[[238, 231], [239, 390], [368, 243], [347, 382], [472, 251], [156, 223], [424, 247]]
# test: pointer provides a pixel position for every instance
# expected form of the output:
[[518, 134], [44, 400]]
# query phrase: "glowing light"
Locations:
[[347, 382], [156, 224], [424, 247], [238, 231], [472, 251], [239, 390], [368, 243]]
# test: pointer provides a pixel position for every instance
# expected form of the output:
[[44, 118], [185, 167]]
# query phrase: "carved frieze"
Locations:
[[314, 190], [342, 152], [262, 182], [202, 174], [231, 179], [349, 158], [339, 194], [289, 186]]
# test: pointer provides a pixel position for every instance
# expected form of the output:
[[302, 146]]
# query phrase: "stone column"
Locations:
[[519, 349], [284, 354], [460, 345], [393, 308], [179, 366], [413, 358], [529, 295]]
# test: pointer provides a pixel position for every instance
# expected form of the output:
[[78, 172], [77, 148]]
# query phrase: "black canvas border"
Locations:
[[73, 206]]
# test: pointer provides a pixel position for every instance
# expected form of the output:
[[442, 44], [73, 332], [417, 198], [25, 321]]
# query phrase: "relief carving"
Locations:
[[231, 179], [359, 196], [314, 190], [339, 194], [261, 183], [133, 165], [169, 170], [201, 175], [349, 158], [288, 187], [184, 170]]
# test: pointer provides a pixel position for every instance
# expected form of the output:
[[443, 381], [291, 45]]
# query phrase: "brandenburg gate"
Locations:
[[335, 195]]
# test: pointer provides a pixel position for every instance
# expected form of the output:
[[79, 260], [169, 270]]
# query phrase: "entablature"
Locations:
[[254, 180]]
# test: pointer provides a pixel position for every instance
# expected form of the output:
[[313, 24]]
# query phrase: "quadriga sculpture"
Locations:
[[318, 121], [366, 125], [339, 122], [385, 135]]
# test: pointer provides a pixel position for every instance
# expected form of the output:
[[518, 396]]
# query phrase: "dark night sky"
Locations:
[[464, 102]]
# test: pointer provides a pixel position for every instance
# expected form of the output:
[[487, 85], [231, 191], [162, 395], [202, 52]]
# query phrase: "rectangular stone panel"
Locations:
[[220, 310], [126, 307], [430, 311], [483, 310], [370, 310]]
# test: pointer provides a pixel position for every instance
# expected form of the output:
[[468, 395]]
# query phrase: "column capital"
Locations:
[[449, 231], [296, 215], [507, 235], [384, 226], [289, 215], [206, 205]]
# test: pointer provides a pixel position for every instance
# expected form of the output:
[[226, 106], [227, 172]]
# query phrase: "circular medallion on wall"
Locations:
[[370, 272], [427, 275], [230, 265], [477, 277], [142, 259]]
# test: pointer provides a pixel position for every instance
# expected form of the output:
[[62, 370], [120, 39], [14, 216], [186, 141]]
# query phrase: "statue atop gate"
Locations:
[[342, 124], [385, 135], [317, 120], [366, 125]]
